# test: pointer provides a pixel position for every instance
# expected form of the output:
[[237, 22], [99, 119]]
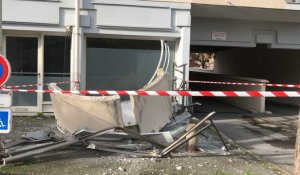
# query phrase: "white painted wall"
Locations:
[[129, 19], [133, 18]]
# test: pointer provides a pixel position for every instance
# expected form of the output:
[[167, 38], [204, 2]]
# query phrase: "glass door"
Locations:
[[22, 53], [56, 64]]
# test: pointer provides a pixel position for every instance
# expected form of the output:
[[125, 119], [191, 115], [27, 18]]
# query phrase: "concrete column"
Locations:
[[76, 57], [183, 55]]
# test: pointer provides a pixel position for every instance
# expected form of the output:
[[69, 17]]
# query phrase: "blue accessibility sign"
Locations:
[[5, 120]]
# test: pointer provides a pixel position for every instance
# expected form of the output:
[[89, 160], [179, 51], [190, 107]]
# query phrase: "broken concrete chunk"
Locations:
[[153, 113], [76, 112], [38, 135]]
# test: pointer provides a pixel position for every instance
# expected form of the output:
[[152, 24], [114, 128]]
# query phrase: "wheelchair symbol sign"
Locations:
[[5, 120]]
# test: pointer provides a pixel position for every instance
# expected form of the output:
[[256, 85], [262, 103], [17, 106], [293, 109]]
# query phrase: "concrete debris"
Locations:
[[178, 168], [122, 169], [38, 135], [76, 112], [153, 113], [130, 143], [76, 159]]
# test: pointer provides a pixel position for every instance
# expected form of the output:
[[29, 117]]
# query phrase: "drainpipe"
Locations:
[[76, 48]]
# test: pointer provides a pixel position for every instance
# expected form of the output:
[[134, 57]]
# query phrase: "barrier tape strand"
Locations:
[[169, 93], [34, 85], [246, 84]]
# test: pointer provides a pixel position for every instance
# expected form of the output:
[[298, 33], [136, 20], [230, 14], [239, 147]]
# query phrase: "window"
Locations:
[[22, 53], [116, 64], [57, 55], [56, 61]]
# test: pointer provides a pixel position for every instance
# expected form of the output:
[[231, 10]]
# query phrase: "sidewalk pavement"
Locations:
[[271, 136]]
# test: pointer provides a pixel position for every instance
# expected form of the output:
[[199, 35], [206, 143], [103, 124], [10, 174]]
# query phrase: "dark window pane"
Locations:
[[57, 55], [56, 61], [115, 64], [22, 53]]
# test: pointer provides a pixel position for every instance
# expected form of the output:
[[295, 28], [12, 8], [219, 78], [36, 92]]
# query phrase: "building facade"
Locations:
[[119, 43], [120, 39]]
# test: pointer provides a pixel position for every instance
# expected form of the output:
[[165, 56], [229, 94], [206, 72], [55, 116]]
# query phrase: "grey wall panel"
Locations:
[[289, 33], [133, 17], [237, 31], [39, 12], [145, 3], [67, 18], [244, 31], [108, 17]]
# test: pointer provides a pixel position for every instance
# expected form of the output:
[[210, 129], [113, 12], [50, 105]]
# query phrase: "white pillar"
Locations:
[[183, 55], [75, 72]]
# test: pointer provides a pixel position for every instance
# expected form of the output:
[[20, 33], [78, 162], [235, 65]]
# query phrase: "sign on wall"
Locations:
[[219, 36], [5, 99], [5, 120]]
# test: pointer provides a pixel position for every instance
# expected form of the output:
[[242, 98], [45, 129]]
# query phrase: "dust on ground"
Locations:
[[79, 160]]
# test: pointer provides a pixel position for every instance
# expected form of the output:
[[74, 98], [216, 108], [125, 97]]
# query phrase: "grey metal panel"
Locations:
[[30, 12], [145, 3], [133, 17]]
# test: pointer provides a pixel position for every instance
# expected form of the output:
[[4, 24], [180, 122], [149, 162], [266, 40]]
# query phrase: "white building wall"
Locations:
[[122, 19], [114, 17]]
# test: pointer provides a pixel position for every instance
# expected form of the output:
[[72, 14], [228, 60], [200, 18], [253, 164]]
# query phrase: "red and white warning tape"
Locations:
[[247, 84], [34, 85], [171, 93]]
